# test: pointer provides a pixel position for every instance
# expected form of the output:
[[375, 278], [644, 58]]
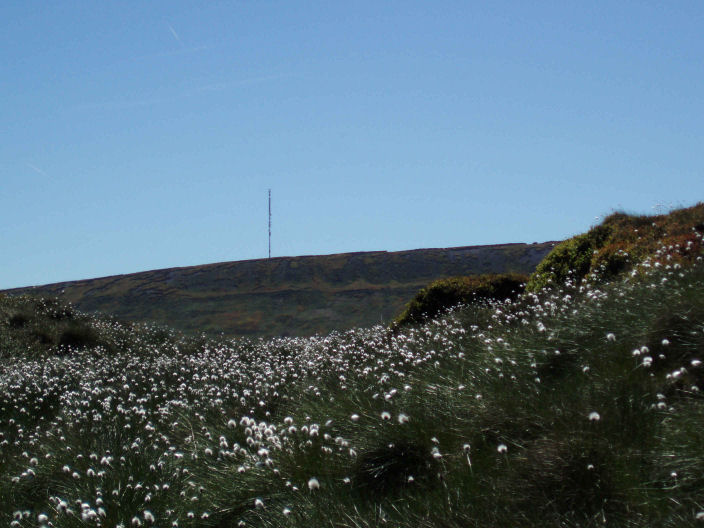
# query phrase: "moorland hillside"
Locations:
[[286, 296]]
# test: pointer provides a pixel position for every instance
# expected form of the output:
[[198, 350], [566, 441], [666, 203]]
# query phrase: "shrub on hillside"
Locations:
[[33, 326], [78, 335], [20, 319], [618, 244], [573, 256], [445, 293]]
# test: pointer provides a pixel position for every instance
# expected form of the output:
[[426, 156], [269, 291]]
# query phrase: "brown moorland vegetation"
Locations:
[[619, 244]]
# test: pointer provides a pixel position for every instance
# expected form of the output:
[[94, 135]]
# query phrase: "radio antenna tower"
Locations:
[[269, 223]]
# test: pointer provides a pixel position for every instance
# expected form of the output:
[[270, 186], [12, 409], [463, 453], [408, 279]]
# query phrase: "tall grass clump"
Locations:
[[577, 405]]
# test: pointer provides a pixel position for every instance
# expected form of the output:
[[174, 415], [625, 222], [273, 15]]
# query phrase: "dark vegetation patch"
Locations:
[[79, 335], [19, 320], [446, 293], [568, 478], [33, 326], [387, 468]]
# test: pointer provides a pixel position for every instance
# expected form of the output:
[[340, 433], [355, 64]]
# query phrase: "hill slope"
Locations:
[[286, 296]]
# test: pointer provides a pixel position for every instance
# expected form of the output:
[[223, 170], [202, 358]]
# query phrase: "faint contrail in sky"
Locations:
[[173, 32], [36, 169]]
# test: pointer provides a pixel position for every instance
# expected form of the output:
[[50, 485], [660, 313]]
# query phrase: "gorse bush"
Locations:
[[446, 293], [580, 405]]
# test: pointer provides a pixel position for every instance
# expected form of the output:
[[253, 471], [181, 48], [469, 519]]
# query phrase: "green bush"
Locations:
[[573, 256], [445, 293], [620, 242]]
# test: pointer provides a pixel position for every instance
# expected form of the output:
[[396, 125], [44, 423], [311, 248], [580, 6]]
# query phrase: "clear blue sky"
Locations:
[[142, 135]]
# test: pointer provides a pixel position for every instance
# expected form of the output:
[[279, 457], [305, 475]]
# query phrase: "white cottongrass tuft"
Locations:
[[313, 484], [594, 416], [611, 337], [502, 448]]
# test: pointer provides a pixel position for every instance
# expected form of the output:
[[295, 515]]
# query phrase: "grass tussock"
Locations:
[[579, 405]]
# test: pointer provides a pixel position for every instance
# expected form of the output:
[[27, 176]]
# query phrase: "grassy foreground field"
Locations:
[[575, 406]]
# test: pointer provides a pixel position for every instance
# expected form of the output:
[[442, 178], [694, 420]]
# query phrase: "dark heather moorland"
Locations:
[[286, 296]]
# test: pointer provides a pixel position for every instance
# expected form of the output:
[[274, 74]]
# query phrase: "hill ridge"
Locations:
[[285, 295], [261, 259]]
